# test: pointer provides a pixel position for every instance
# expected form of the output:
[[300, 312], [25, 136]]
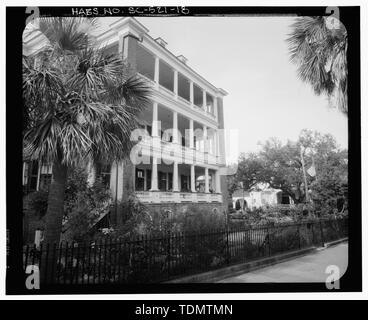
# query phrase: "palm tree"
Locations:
[[81, 104], [319, 50]]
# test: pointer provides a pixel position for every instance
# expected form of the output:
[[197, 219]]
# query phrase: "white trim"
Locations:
[[162, 53]]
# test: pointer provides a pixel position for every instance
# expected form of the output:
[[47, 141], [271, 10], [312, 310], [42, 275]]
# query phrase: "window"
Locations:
[[184, 182], [285, 199], [45, 181], [148, 177], [162, 181], [33, 175], [139, 179], [103, 172], [170, 182], [237, 205]]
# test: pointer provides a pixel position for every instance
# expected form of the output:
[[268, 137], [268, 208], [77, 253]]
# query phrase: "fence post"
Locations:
[[168, 254], [322, 237], [298, 226], [269, 241], [227, 246]]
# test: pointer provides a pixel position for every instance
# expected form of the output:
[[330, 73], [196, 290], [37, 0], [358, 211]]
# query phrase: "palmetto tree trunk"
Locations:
[[55, 209], [54, 217]]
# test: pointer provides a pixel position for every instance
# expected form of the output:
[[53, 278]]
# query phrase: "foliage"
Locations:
[[272, 214], [136, 219], [196, 219], [249, 169], [83, 205], [36, 203], [280, 167], [319, 50]]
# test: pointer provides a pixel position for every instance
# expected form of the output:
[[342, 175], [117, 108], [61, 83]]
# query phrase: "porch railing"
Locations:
[[177, 197]]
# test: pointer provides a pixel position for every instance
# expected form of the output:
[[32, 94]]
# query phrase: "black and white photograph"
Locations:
[[183, 149]]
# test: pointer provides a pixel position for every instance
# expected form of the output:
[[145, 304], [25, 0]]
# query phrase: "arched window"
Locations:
[[237, 205]]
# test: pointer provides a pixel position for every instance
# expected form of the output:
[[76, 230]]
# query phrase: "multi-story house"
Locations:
[[180, 145]]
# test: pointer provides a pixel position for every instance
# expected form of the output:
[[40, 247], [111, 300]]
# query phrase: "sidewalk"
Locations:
[[309, 268]]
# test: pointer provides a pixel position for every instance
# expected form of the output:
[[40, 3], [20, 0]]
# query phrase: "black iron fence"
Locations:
[[154, 259]]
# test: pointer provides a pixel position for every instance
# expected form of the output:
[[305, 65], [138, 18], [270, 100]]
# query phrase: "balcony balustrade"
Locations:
[[177, 197], [185, 153]]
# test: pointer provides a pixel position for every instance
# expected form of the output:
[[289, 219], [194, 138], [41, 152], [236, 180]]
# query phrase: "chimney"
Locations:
[[182, 59], [161, 42]]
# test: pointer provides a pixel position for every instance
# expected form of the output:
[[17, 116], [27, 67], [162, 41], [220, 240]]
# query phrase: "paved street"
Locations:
[[308, 268]]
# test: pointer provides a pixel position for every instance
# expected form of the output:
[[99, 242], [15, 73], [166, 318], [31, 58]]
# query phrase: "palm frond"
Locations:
[[316, 50], [67, 34]]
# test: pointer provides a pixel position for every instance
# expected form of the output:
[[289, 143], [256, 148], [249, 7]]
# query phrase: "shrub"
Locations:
[[83, 205], [197, 219], [135, 220], [138, 220], [36, 203]]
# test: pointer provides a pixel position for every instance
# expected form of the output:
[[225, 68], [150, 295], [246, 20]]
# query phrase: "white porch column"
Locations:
[[218, 181], [157, 71], [217, 146], [175, 177], [154, 184], [176, 83], [192, 178], [214, 142], [206, 181], [191, 92], [191, 133], [175, 127], [154, 120], [204, 100], [215, 107], [205, 142]]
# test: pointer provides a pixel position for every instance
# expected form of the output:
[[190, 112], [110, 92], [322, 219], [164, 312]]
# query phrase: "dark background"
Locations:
[[15, 278]]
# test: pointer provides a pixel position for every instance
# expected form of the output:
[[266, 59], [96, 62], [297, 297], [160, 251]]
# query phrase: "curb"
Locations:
[[333, 243], [220, 274]]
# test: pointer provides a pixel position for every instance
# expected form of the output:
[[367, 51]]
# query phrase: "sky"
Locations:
[[248, 57]]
